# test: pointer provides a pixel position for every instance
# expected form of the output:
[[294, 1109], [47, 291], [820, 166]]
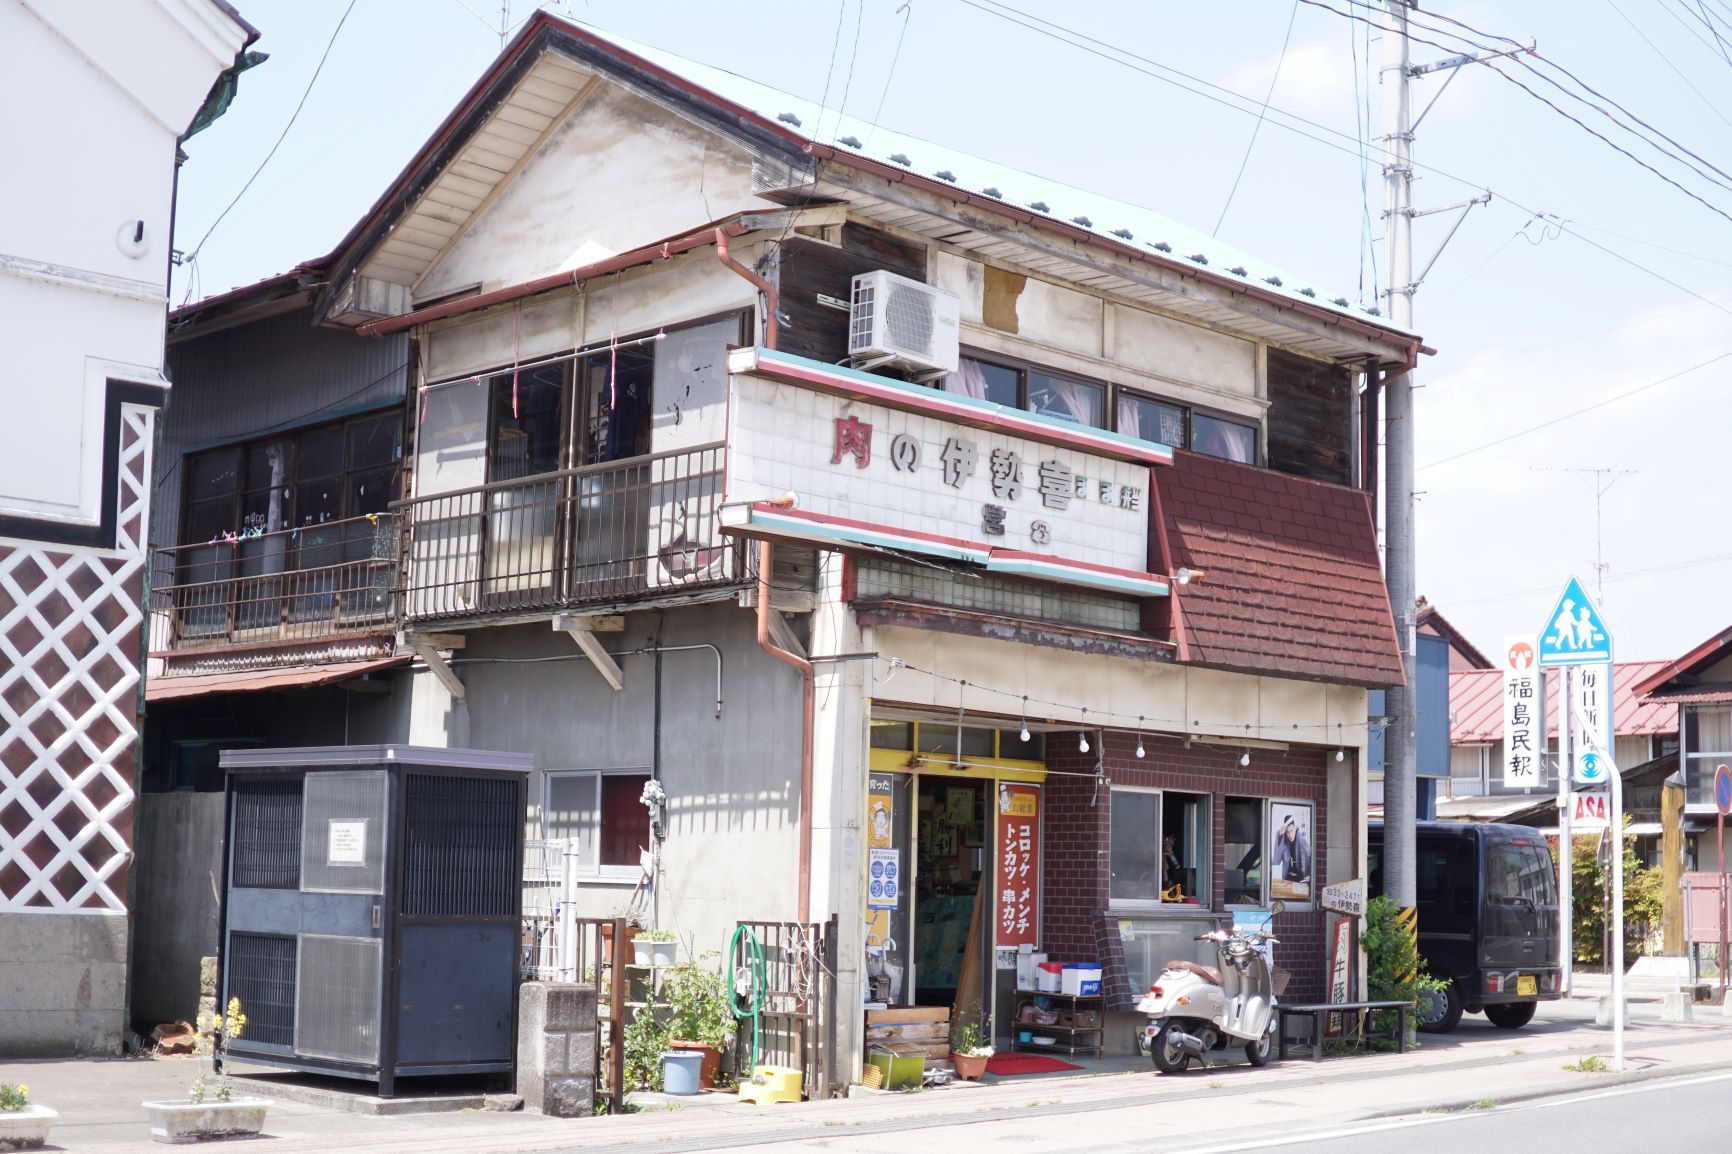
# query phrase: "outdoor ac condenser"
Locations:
[[894, 320]]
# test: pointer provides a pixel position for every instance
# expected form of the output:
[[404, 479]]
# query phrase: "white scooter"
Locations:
[[1196, 1009]]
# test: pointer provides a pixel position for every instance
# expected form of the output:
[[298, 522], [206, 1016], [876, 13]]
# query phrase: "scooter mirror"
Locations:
[[1279, 907]]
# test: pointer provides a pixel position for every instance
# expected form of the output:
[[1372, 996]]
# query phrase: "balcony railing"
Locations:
[[295, 585], [592, 535]]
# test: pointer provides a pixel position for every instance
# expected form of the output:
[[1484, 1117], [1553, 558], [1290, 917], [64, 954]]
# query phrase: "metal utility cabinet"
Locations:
[[371, 908]]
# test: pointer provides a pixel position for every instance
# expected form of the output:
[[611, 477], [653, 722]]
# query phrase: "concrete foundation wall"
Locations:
[[62, 984]]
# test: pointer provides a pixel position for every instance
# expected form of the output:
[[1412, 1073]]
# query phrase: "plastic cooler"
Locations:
[[1082, 978], [1049, 977]]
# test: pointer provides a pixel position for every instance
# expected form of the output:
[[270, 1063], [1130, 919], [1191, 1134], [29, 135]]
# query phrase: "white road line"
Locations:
[[1459, 1116]]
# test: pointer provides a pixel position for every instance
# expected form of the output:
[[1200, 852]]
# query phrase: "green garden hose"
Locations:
[[753, 996]]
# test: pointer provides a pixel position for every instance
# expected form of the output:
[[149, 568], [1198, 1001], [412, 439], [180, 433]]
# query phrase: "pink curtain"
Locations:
[[1130, 418]]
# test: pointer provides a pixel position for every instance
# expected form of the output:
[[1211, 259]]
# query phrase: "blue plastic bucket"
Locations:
[[682, 1071]]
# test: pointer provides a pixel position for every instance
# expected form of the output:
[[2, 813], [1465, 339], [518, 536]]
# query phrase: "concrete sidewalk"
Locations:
[[99, 1100]]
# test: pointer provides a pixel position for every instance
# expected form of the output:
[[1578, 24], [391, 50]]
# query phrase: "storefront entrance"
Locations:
[[953, 865]]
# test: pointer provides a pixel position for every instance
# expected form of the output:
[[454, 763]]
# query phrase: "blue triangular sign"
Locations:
[[1574, 633]]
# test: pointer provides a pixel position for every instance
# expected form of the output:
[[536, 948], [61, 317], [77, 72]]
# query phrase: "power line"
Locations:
[[1154, 70], [1627, 575], [1636, 28], [1262, 112], [907, 9], [1578, 412], [293, 116], [1578, 122]]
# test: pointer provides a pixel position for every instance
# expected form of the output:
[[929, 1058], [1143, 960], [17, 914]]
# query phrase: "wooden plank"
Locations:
[[910, 1032], [907, 1014]]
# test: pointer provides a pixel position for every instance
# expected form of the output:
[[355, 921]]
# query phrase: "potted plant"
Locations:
[[701, 1017], [654, 947], [22, 1126], [205, 1112], [967, 1054]]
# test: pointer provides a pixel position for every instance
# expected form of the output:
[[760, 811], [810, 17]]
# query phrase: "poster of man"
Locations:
[[1290, 851]]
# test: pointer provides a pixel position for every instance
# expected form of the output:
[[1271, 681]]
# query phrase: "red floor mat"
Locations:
[[1026, 1064]]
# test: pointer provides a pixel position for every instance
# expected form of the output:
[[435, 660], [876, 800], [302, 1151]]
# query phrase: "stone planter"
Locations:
[[187, 1121], [969, 1067], [25, 1129]]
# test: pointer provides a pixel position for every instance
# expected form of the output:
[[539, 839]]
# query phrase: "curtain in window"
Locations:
[[1224, 439], [1130, 417], [969, 380]]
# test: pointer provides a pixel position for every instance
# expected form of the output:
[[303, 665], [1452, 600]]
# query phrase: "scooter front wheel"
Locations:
[[1165, 1048], [1257, 1053]]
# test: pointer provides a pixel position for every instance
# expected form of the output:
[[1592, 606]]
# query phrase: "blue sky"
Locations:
[[1530, 322]]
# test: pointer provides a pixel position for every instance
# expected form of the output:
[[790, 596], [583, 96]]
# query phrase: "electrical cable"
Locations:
[[1626, 575], [877, 113], [1636, 28], [1262, 114], [1082, 43], [1578, 412], [293, 116], [1577, 121]]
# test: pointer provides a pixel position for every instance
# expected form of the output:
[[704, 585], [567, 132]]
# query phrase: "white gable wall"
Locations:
[[620, 173]]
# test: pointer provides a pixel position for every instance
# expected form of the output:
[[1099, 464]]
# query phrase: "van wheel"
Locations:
[[1511, 1015], [1440, 1013]]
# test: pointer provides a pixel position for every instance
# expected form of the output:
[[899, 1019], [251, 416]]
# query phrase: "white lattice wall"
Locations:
[[69, 661]]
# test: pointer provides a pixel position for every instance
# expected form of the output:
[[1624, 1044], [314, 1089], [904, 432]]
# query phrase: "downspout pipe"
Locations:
[[766, 560], [772, 301]]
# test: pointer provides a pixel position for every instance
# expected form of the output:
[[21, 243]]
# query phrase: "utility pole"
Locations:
[[1400, 782]]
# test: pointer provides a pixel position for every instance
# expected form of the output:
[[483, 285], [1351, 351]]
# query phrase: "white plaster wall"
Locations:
[[620, 173], [1076, 332], [670, 292], [124, 80]]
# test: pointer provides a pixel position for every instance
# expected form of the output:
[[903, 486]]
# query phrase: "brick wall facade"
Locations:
[[1078, 822]]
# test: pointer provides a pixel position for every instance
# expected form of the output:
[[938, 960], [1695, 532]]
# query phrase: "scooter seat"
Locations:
[[1208, 973]]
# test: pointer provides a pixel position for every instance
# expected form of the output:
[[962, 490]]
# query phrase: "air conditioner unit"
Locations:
[[894, 320]]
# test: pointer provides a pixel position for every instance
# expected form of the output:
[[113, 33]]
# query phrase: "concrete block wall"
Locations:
[[1078, 823], [62, 984], [556, 1048]]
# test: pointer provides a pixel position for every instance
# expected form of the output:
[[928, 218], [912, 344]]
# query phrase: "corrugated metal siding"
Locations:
[[275, 374]]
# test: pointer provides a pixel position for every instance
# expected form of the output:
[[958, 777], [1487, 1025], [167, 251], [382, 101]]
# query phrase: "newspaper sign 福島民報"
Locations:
[[1523, 714]]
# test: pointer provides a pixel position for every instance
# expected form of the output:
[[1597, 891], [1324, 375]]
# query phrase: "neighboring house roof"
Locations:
[[1430, 618], [1476, 705], [797, 135], [1291, 583], [1683, 670]]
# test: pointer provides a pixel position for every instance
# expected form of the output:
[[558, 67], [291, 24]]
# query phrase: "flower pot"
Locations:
[[654, 953], [712, 1061], [969, 1067], [25, 1129], [188, 1121]]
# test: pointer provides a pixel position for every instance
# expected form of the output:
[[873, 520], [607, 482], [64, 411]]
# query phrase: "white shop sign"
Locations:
[[922, 473], [1524, 735]]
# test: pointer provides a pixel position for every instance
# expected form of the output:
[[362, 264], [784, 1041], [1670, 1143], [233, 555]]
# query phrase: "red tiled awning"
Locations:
[[172, 688], [1292, 583]]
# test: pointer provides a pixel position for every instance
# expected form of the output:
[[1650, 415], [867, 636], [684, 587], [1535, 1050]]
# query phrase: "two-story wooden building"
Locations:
[[973, 560]]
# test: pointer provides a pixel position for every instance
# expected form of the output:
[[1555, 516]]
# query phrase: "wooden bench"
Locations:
[[1315, 1012]]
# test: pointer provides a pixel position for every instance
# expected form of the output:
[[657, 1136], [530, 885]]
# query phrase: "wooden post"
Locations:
[[1672, 865]]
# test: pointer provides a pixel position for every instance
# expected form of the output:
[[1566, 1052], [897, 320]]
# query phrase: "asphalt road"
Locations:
[[1689, 1113]]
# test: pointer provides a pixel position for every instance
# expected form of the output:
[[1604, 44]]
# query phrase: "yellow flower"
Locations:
[[23, 1089]]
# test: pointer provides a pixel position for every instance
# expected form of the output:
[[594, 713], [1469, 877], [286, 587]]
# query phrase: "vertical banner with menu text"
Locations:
[[1018, 864], [883, 894]]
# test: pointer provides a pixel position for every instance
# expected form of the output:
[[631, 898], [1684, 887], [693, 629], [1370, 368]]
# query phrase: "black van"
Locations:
[[1488, 919]]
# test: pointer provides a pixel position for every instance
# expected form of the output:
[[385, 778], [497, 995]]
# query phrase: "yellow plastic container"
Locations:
[[772, 1084]]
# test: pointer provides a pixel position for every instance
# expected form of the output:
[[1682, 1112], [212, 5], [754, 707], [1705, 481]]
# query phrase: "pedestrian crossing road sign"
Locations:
[[1575, 634]]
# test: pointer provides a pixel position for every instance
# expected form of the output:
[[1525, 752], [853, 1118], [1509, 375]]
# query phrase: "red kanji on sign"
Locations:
[[853, 439]]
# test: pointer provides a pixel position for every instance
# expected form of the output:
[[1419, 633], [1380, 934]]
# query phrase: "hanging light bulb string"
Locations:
[[1137, 722]]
